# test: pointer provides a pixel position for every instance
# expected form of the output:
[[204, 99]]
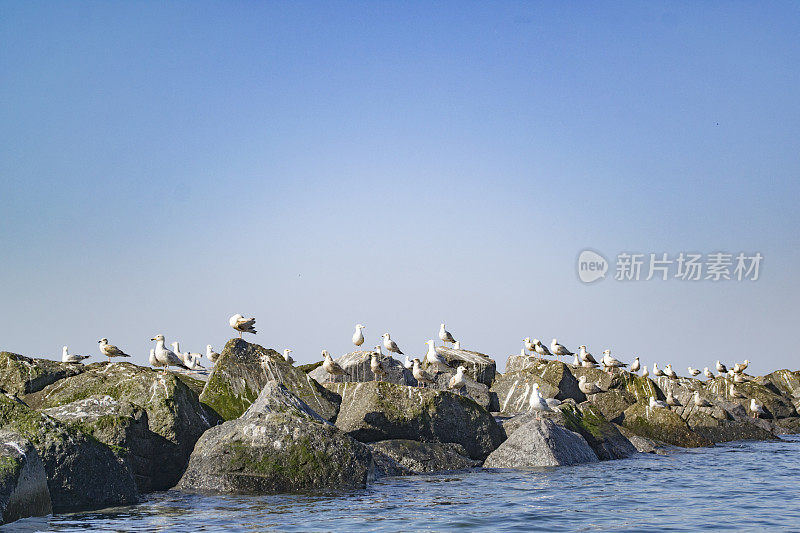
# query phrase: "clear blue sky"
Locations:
[[165, 165]]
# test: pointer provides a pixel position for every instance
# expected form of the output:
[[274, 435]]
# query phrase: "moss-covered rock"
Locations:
[[274, 452], [640, 387], [82, 473], [243, 369], [601, 435], [382, 411], [775, 405], [276, 398], [23, 481], [175, 417], [425, 457], [661, 425], [24, 375], [613, 403]]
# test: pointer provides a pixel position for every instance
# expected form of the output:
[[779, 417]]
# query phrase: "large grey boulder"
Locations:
[[601, 435], [357, 366], [159, 444], [479, 367], [383, 411], [82, 473], [243, 369], [425, 457], [23, 481], [518, 362], [541, 442], [24, 375], [277, 446], [511, 391]]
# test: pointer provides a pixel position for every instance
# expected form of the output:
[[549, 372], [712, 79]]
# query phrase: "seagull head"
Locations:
[[385, 336], [442, 326], [287, 351], [158, 338], [607, 352], [103, 341], [526, 339], [581, 379], [64, 350], [359, 326], [325, 354], [461, 370], [746, 362], [536, 341], [429, 342]]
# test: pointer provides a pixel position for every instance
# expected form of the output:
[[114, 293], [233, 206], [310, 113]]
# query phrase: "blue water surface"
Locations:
[[741, 486]]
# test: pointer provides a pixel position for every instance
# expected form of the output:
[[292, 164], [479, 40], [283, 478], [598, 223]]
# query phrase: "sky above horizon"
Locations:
[[166, 165]]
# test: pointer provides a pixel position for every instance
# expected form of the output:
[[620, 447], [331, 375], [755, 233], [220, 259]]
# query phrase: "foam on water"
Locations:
[[737, 486]]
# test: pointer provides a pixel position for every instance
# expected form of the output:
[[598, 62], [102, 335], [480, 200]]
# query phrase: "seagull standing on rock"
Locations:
[[66, 357], [736, 394], [433, 357], [390, 345], [701, 402], [420, 375], [540, 348], [537, 402], [693, 371], [657, 371], [586, 356], [457, 381], [722, 369], [635, 365], [408, 364], [756, 408], [377, 367], [358, 336], [645, 373], [332, 367], [445, 335], [287, 357], [166, 357], [588, 388], [707, 373], [671, 401], [242, 324], [670, 373], [531, 347], [109, 350], [211, 355], [457, 345], [610, 362], [559, 349]]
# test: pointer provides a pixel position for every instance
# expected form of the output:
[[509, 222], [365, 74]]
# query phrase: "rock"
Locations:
[[612, 403], [645, 445], [82, 473], [123, 426], [510, 393], [640, 387], [518, 362], [775, 405], [541, 443], [386, 466], [663, 425], [357, 366], [277, 446], [786, 426], [175, 417], [478, 392], [23, 481], [601, 435], [24, 375], [479, 367], [243, 369], [425, 457], [784, 382], [378, 411]]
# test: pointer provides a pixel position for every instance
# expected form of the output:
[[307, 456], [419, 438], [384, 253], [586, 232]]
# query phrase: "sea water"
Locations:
[[741, 486]]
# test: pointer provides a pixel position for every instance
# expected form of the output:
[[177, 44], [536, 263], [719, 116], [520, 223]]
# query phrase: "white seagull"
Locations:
[[635, 365], [540, 348], [420, 375], [645, 373], [693, 371], [67, 357], [722, 369], [559, 349], [586, 356], [109, 350], [669, 372], [657, 371], [242, 324], [611, 362], [445, 335], [537, 401], [707, 373], [756, 408], [528, 345], [433, 357], [390, 345], [588, 388], [408, 364], [287, 357], [165, 356], [331, 366], [358, 336], [671, 400], [457, 381], [211, 355], [736, 394], [701, 402], [377, 367]]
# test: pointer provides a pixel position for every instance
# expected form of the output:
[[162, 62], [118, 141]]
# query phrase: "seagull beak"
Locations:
[[153, 339]]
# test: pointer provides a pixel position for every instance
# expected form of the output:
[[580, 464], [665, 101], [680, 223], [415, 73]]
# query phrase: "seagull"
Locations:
[[739, 378], [153, 360], [109, 350], [586, 356], [635, 365], [211, 355], [390, 345], [176, 348], [530, 346], [242, 324], [377, 367], [537, 401], [192, 361], [657, 371], [756, 408], [610, 362], [457, 345], [669, 372], [408, 364], [287, 357], [671, 400], [166, 357], [693, 371], [701, 402], [588, 388], [559, 349], [645, 373], [587, 364], [457, 381], [576, 360], [657, 403], [445, 335], [707, 373], [540, 348], [433, 357], [420, 375], [331, 366], [358, 336], [66, 357], [736, 394], [738, 368], [722, 369], [745, 364]]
